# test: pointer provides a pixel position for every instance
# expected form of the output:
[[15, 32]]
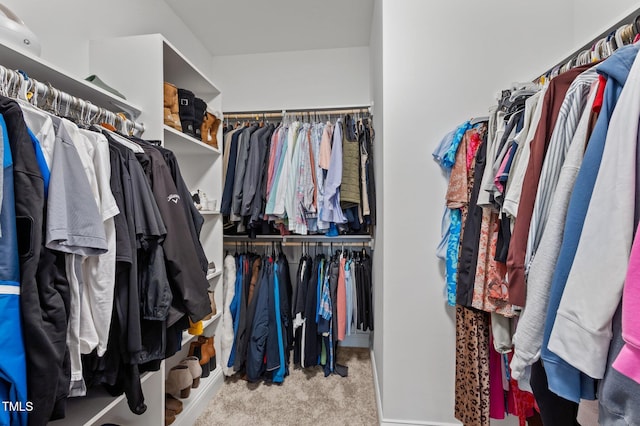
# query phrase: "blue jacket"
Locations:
[[260, 330], [564, 379], [13, 370]]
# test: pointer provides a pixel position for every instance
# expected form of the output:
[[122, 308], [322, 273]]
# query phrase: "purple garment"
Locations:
[[332, 211]]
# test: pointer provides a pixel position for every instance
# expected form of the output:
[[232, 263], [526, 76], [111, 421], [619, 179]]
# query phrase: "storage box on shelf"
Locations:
[[155, 61]]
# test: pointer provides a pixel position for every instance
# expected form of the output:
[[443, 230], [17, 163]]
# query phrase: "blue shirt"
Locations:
[[332, 212]]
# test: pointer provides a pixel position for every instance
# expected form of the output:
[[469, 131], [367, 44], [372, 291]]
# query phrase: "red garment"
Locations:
[[521, 403], [474, 143], [597, 103]]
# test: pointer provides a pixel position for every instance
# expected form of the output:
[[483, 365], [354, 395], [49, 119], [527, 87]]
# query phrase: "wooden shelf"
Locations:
[[200, 397], [181, 143], [43, 71], [87, 410], [187, 338]]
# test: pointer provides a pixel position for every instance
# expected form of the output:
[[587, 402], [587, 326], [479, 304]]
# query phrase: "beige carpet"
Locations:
[[305, 398]]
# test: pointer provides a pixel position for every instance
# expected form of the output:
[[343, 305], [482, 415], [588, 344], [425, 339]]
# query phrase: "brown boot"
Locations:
[[212, 300], [179, 381], [214, 132], [211, 349], [198, 349], [169, 416], [171, 115], [205, 128], [172, 404]]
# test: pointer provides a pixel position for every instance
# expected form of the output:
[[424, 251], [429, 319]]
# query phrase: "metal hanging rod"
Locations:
[[300, 243], [257, 115], [15, 84], [351, 240], [621, 33]]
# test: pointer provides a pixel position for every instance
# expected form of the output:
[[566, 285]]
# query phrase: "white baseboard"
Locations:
[[376, 387], [391, 422]]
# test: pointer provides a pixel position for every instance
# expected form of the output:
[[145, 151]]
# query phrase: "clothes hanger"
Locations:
[[102, 117], [619, 39]]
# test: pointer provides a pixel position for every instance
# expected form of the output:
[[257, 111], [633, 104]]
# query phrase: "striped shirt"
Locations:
[[568, 118]]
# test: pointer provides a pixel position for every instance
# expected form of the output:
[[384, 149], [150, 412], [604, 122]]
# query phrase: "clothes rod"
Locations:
[[16, 85], [355, 240], [631, 19], [277, 113], [298, 243]]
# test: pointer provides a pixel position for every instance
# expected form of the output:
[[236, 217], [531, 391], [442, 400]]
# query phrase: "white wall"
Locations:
[[440, 67], [443, 63], [592, 17], [376, 60], [289, 80], [64, 28]]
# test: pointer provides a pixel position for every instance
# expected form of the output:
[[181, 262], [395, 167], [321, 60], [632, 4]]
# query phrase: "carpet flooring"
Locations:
[[305, 398]]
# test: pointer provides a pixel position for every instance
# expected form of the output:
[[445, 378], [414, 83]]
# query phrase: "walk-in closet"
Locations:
[[292, 212]]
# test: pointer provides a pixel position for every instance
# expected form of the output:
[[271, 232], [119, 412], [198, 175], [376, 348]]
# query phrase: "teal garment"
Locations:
[[449, 158], [278, 376], [453, 247]]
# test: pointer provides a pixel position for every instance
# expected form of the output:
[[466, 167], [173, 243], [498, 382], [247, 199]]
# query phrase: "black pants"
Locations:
[[554, 410]]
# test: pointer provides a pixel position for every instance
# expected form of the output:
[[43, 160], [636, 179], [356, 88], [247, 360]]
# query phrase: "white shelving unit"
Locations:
[[99, 407], [43, 71], [215, 274], [152, 60], [187, 338]]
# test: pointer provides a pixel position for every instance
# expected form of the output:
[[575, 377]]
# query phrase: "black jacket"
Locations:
[[194, 218], [188, 281]]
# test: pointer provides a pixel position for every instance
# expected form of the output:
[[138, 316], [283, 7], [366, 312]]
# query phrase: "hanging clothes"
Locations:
[[559, 248], [288, 179]]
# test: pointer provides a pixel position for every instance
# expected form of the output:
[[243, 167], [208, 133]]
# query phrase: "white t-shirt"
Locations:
[[40, 123], [99, 271]]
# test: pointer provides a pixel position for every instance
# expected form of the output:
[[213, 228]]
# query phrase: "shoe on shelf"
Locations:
[[187, 111], [172, 404], [214, 311], [212, 300], [196, 328], [210, 348], [213, 124], [200, 114], [195, 349], [179, 381], [171, 111], [193, 363], [169, 416]]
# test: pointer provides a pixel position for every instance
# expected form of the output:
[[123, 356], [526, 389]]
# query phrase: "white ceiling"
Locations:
[[235, 27]]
